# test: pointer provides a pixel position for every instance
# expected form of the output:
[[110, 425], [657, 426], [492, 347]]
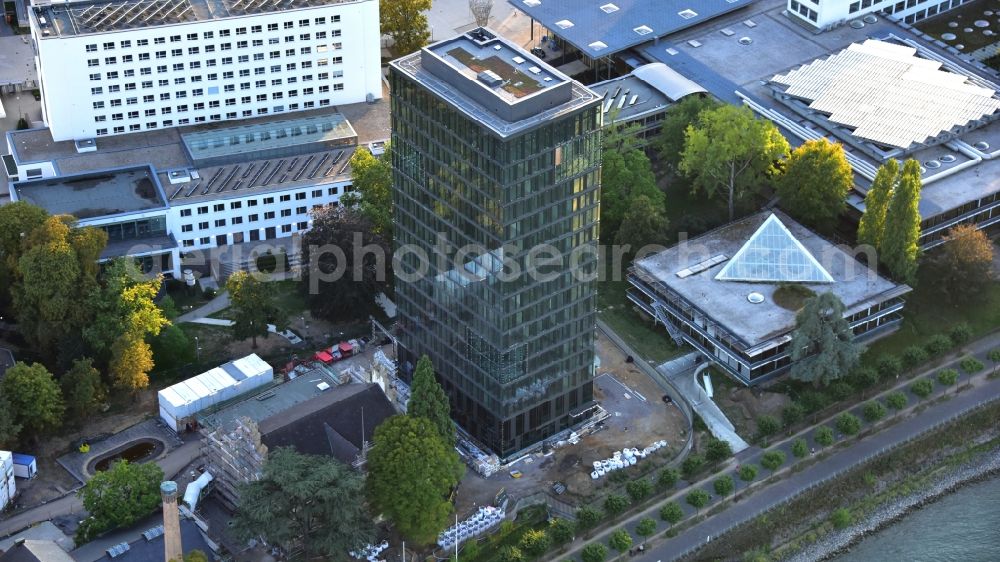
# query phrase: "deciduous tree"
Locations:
[[347, 264], [9, 428], [172, 349], [371, 177], [123, 309], [823, 347], [697, 498], [594, 552], [625, 176], [670, 142], [615, 504], [848, 424], [131, 362], [643, 224], [800, 448], [252, 304], [17, 219], [823, 436], [730, 151], [899, 249], [671, 512], [815, 183], [428, 400], [645, 528], [561, 530], [873, 411], [871, 229], [535, 542], [896, 400], [34, 397], [305, 500], [82, 389], [406, 22], [724, 485], [620, 540], [119, 496], [962, 265], [587, 517], [748, 472], [49, 296], [410, 473], [771, 460]]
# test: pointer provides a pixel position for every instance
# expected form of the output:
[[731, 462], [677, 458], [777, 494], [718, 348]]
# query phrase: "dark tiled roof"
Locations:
[[152, 551], [331, 423]]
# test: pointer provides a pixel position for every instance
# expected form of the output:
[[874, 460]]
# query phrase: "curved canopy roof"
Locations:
[[667, 80]]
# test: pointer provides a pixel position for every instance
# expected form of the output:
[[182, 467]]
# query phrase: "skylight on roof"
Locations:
[[773, 255], [609, 8], [687, 14], [643, 30], [564, 24], [598, 46], [532, 3]]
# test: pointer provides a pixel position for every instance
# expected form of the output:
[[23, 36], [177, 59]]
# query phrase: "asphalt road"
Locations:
[[792, 484], [796, 483]]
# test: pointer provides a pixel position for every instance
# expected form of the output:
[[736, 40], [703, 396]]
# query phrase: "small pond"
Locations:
[[142, 450]]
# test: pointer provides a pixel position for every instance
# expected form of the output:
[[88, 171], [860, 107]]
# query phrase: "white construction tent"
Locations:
[[181, 402]]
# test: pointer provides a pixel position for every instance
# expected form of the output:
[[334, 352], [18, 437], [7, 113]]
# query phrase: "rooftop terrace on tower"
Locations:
[[82, 17], [495, 82]]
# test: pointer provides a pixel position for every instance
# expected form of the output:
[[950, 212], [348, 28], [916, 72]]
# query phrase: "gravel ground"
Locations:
[[838, 541]]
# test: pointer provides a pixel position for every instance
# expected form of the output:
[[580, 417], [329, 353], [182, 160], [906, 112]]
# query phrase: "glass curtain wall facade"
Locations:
[[514, 348]]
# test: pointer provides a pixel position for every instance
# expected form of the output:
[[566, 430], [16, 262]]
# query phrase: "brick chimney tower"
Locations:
[[171, 523]]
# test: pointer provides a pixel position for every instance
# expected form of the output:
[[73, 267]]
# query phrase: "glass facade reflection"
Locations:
[[476, 215]]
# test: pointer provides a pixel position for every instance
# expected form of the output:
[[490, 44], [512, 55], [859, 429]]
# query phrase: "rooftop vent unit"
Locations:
[[687, 14], [744, 41], [643, 30], [490, 78], [755, 298], [564, 24], [609, 8]]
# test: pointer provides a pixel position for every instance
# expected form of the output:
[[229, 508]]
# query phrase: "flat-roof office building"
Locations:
[[831, 13], [144, 65], [496, 153]]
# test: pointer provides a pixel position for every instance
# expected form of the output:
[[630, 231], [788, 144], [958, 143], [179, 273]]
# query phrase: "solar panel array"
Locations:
[[261, 174], [888, 95], [124, 15]]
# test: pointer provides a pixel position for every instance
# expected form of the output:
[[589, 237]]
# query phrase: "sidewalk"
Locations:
[[683, 373], [220, 302], [769, 495]]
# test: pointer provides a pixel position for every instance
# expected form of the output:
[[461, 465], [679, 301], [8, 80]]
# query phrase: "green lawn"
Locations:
[[614, 308], [288, 296], [927, 313], [691, 213]]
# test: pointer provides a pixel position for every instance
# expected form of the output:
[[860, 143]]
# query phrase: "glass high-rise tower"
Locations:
[[496, 180]]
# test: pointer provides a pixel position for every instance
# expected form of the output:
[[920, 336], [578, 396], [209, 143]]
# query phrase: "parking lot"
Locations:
[[637, 418]]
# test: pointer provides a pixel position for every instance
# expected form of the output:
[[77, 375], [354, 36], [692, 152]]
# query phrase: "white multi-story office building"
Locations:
[[823, 14], [115, 67]]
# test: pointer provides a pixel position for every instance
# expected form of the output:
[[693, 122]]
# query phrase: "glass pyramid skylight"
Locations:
[[772, 254]]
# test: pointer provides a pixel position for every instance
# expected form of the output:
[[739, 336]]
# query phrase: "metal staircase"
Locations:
[[663, 317]]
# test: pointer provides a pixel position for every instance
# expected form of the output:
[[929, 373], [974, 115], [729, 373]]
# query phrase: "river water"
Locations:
[[961, 527]]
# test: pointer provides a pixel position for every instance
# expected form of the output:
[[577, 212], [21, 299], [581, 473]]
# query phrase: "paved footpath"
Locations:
[[171, 464], [790, 485]]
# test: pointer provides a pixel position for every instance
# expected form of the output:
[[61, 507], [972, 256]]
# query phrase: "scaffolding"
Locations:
[[235, 456]]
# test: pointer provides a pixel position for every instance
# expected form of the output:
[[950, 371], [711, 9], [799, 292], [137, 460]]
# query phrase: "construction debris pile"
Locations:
[[621, 459], [485, 519]]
